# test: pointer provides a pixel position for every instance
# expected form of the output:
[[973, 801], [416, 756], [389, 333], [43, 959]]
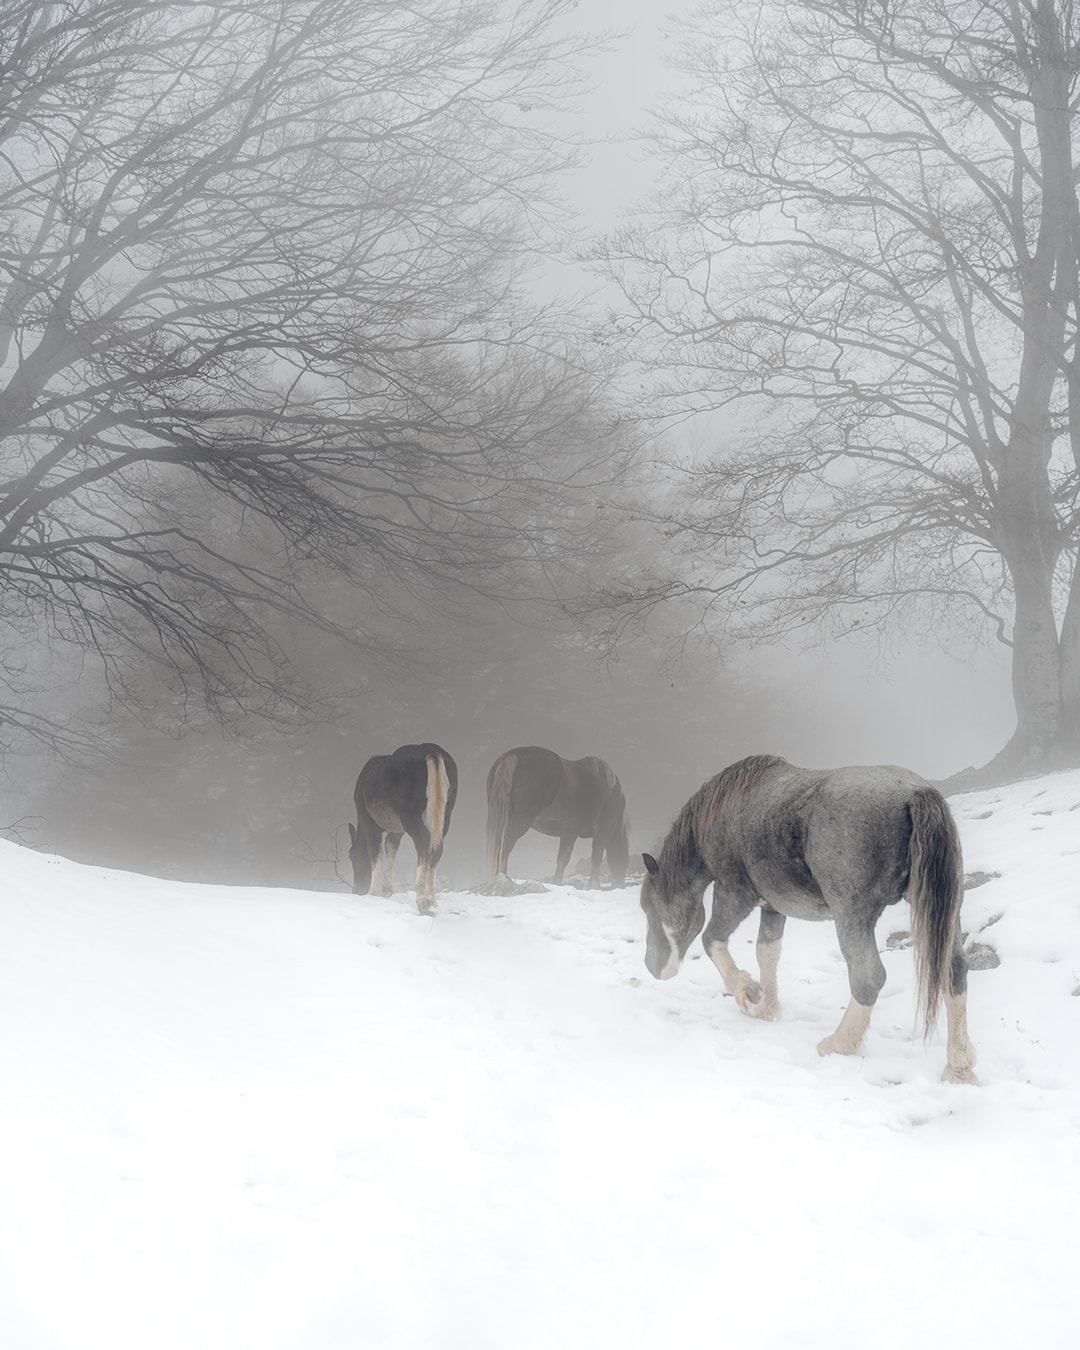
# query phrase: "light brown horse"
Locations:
[[530, 788]]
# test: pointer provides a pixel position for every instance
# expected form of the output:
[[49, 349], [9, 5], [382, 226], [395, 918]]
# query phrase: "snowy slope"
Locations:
[[239, 1118]]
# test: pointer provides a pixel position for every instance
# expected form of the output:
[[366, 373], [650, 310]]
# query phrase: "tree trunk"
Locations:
[[1069, 646], [1036, 669], [1027, 538], [1028, 530]]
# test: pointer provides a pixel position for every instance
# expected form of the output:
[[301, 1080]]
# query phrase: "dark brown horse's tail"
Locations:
[[935, 890], [498, 820], [438, 793]]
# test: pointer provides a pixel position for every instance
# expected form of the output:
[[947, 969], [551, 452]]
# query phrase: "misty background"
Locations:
[[507, 651]]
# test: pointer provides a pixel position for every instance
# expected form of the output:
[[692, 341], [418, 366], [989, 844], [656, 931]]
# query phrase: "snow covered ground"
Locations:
[[236, 1118]]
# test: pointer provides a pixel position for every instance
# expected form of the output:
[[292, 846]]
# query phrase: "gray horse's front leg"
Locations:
[[729, 910], [866, 975]]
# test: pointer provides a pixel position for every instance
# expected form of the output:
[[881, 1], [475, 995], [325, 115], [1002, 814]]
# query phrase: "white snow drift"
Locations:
[[236, 1118]]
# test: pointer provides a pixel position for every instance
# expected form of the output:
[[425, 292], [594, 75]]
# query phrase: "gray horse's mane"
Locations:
[[681, 850]]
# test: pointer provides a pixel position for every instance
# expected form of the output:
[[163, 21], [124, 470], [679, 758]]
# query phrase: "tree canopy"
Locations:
[[863, 269], [261, 313]]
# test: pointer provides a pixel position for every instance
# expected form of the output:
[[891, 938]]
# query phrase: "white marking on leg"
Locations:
[[848, 1037], [388, 855], [960, 1053], [768, 955], [425, 887], [739, 983], [377, 868]]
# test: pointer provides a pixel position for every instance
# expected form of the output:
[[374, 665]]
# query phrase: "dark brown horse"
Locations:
[[409, 792], [531, 788]]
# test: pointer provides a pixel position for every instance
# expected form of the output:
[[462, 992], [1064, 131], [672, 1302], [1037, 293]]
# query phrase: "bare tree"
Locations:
[[261, 312], [865, 266]]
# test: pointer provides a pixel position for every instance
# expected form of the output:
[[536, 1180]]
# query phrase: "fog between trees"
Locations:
[[292, 449]]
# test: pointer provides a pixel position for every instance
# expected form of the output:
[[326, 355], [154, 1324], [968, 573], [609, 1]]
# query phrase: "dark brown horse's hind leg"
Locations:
[[387, 854], [427, 864]]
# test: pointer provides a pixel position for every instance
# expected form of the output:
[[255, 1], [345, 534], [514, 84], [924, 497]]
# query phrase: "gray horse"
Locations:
[[838, 844]]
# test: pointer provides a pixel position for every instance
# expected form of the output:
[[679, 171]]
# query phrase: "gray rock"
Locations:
[[504, 885], [981, 956]]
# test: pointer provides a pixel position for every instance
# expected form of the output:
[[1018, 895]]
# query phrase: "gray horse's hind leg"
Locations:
[[566, 847], [960, 1053], [866, 975]]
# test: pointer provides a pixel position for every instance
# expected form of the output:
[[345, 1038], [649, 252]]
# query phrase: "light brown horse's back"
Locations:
[[531, 787]]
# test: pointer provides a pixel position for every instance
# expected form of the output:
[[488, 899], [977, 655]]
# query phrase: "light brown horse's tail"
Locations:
[[438, 794], [935, 890], [499, 810]]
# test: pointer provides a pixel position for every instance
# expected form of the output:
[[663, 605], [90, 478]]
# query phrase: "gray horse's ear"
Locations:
[[651, 865]]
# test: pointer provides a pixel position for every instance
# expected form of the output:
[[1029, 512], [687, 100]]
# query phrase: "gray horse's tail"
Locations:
[[438, 793], [935, 890], [499, 810]]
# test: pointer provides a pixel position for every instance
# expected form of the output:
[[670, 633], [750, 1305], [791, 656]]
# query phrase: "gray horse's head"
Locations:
[[361, 862], [675, 914]]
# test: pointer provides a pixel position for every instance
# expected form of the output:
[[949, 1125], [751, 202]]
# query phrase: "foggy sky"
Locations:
[[849, 704], [856, 703]]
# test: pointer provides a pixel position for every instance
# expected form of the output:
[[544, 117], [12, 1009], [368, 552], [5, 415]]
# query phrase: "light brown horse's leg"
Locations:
[[566, 847], [514, 832], [960, 1053], [597, 858]]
